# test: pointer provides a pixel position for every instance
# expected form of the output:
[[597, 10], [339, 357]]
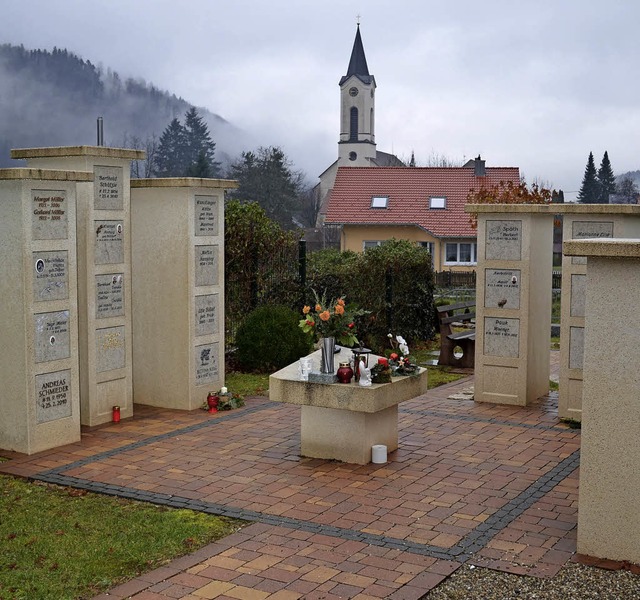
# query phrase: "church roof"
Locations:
[[358, 62], [409, 190]]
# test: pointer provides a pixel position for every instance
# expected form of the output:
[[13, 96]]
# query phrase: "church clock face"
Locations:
[[353, 91]]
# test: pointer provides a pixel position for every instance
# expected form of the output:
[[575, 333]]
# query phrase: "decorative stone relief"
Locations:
[[110, 349]]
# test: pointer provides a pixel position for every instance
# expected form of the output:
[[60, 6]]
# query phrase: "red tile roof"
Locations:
[[409, 190]]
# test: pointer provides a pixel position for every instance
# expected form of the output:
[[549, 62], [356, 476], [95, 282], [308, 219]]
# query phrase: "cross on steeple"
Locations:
[[357, 19]]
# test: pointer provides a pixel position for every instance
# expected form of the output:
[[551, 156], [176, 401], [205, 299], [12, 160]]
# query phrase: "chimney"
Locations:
[[479, 168], [100, 132]]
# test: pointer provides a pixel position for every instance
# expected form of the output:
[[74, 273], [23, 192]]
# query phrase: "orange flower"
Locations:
[[318, 308], [340, 301], [305, 310], [339, 309], [325, 316]]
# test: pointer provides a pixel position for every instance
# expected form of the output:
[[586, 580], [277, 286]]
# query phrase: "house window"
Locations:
[[429, 246], [379, 201], [437, 202], [463, 253], [353, 125], [366, 244]]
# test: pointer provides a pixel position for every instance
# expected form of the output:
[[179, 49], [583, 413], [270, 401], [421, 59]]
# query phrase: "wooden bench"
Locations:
[[464, 314]]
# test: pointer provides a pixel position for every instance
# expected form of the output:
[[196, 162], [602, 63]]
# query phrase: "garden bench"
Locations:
[[463, 314]]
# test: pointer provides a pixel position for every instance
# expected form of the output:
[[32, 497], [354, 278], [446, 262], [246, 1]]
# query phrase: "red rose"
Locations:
[[351, 325]]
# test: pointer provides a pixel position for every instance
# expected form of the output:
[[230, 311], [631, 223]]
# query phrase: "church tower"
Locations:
[[357, 145]]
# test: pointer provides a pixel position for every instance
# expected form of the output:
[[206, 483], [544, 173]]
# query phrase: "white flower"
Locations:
[[404, 349], [400, 339], [223, 390], [389, 335]]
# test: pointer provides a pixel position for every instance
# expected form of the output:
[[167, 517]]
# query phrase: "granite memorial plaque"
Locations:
[[50, 276], [109, 295], [53, 396], [109, 248], [206, 311], [110, 349], [501, 337], [49, 219], [502, 288], [206, 265], [206, 360], [206, 215], [503, 240], [51, 335], [576, 347], [107, 188], [589, 229], [578, 295]]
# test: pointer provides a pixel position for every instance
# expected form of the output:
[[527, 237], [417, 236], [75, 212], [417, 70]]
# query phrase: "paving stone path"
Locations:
[[493, 486]]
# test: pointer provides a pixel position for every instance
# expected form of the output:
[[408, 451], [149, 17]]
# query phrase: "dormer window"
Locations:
[[437, 202], [379, 201]]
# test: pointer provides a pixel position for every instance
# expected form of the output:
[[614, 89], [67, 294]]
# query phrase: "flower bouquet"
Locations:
[[331, 319], [399, 359]]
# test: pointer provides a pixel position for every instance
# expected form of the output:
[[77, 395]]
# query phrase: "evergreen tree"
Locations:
[[266, 177], [200, 147], [590, 189], [606, 179], [172, 153]]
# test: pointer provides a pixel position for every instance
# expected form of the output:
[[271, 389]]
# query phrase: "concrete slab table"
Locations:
[[343, 421]]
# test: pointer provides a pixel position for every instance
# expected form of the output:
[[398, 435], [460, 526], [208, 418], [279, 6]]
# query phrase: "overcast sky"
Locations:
[[530, 84]]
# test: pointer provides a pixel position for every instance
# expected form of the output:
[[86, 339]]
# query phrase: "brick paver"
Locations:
[[492, 485]]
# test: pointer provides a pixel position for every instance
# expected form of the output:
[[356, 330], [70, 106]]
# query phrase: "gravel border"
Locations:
[[573, 582]]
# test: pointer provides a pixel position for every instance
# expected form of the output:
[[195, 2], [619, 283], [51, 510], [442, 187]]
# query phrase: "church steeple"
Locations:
[[357, 145]]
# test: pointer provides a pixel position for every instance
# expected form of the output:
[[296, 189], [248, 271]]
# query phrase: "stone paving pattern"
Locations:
[[495, 486]]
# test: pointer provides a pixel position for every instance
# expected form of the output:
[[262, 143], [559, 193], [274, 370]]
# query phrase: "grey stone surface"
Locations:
[[589, 229], [51, 335], [317, 377], [206, 313], [109, 295], [576, 347], [501, 337], [109, 245], [502, 288], [110, 349], [206, 265], [503, 240], [107, 188], [49, 219], [53, 396], [206, 363], [206, 215], [578, 294], [50, 275]]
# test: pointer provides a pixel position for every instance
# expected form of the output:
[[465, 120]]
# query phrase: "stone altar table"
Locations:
[[342, 421]]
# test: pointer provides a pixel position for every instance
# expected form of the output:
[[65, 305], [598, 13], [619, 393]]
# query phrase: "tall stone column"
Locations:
[[513, 311], [38, 290], [104, 273], [608, 526], [178, 289]]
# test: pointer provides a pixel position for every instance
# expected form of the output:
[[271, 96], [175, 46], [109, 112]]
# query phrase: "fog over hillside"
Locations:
[[54, 98]]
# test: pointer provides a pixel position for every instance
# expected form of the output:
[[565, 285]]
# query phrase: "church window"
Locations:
[[352, 155], [353, 124]]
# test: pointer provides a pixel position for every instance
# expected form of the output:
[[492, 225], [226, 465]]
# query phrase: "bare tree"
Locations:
[[143, 168]]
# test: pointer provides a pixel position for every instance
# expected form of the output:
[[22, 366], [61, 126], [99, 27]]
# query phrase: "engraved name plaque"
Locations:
[[206, 215], [503, 240], [501, 337], [50, 276], [107, 188], [589, 229], [206, 265], [53, 396], [109, 247], [51, 335], [206, 312], [109, 295], [49, 219], [502, 288], [206, 363]]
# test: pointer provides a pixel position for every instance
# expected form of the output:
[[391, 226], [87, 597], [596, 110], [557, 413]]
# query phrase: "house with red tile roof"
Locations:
[[420, 204]]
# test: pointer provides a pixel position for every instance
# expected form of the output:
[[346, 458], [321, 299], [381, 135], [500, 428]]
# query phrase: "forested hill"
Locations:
[[54, 98]]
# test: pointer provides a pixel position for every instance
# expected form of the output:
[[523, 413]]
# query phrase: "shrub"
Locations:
[[270, 339]]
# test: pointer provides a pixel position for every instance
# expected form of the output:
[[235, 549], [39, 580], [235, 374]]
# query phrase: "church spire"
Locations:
[[358, 62]]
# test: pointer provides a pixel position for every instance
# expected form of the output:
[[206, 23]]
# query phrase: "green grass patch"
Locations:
[[247, 384], [60, 543], [554, 386], [440, 375]]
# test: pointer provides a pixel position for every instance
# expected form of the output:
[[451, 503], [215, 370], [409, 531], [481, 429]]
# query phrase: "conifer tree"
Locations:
[[590, 189], [172, 155], [606, 179], [200, 147]]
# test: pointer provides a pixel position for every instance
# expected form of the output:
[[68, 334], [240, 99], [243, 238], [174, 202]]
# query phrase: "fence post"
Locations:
[[389, 299], [302, 270]]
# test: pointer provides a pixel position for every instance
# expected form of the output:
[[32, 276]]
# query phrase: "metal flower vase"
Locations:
[[327, 348]]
